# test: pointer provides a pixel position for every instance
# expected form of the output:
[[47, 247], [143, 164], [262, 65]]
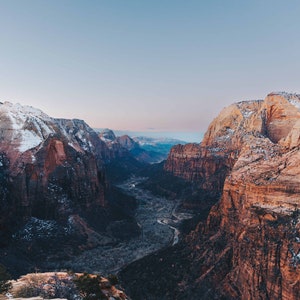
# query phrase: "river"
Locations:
[[157, 220]]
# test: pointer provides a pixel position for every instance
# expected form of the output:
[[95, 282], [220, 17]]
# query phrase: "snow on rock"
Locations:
[[246, 108], [28, 126], [29, 141], [292, 98], [37, 228], [24, 128], [295, 102]]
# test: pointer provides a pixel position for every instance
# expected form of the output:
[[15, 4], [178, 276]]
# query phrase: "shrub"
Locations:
[[89, 287], [5, 285], [48, 287], [113, 279]]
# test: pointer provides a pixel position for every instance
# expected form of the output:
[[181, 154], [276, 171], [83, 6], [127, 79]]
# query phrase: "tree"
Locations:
[[5, 285], [89, 287], [113, 279]]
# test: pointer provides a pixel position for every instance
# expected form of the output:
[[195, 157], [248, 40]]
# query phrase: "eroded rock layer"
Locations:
[[249, 247], [53, 187]]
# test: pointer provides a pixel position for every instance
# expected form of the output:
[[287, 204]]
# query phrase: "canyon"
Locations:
[[55, 198], [248, 246], [216, 220]]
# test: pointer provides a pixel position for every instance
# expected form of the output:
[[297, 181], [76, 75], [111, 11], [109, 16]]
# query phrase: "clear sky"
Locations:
[[156, 65]]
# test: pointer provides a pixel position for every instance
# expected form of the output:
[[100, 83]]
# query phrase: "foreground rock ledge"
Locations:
[[48, 281]]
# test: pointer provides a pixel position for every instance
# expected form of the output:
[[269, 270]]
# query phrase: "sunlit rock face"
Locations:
[[208, 163], [249, 247]]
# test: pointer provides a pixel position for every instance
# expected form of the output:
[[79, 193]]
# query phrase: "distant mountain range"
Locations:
[[143, 148], [187, 136]]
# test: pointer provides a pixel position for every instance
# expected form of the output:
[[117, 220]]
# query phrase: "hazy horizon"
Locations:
[[190, 137], [166, 65]]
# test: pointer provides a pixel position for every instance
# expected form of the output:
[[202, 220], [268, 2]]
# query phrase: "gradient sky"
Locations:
[[159, 65]]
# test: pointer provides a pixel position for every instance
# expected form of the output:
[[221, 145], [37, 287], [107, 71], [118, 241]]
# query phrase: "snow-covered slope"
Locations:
[[25, 128]]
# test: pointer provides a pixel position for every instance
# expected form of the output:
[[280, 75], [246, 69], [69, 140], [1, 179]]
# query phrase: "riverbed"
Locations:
[[157, 220]]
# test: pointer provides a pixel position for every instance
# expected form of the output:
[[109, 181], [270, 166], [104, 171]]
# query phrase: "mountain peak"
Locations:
[[107, 135]]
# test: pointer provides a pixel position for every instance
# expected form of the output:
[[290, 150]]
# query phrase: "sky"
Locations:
[[150, 66]]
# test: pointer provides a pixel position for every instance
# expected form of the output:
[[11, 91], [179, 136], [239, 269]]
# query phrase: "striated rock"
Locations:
[[54, 166], [259, 214], [54, 193], [248, 248], [208, 163], [257, 219], [282, 112]]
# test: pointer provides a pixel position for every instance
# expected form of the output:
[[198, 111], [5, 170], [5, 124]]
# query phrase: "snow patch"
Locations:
[[29, 141], [295, 102], [293, 98], [36, 228], [29, 125], [247, 113]]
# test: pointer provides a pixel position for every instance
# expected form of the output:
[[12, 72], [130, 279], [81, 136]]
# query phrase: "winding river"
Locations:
[[158, 222]]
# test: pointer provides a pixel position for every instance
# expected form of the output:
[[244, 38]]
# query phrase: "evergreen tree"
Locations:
[[5, 285], [89, 287]]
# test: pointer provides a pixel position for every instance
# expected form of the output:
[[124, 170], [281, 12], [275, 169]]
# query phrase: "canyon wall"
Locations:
[[249, 247], [54, 192], [257, 219]]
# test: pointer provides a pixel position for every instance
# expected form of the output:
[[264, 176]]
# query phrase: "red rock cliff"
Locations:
[[249, 248], [50, 169], [209, 162]]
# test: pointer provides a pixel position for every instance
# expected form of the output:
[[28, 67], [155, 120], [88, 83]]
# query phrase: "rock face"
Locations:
[[121, 146], [208, 163], [116, 149], [124, 147], [53, 187], [249, 246], [61, 285], [46, 159], [127, 142]]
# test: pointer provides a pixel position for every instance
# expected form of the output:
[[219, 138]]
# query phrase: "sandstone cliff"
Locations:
[[248, 248], [53, 192], [258, 211]]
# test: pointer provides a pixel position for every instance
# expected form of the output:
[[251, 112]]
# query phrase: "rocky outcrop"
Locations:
[[116, 150], [62, 285], [55, 167], [54, 192], [124, 148], [208, 163], [248, 248], [258, 212], [127, 142]]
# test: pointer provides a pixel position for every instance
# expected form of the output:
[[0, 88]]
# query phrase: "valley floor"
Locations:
[[157, 220]]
